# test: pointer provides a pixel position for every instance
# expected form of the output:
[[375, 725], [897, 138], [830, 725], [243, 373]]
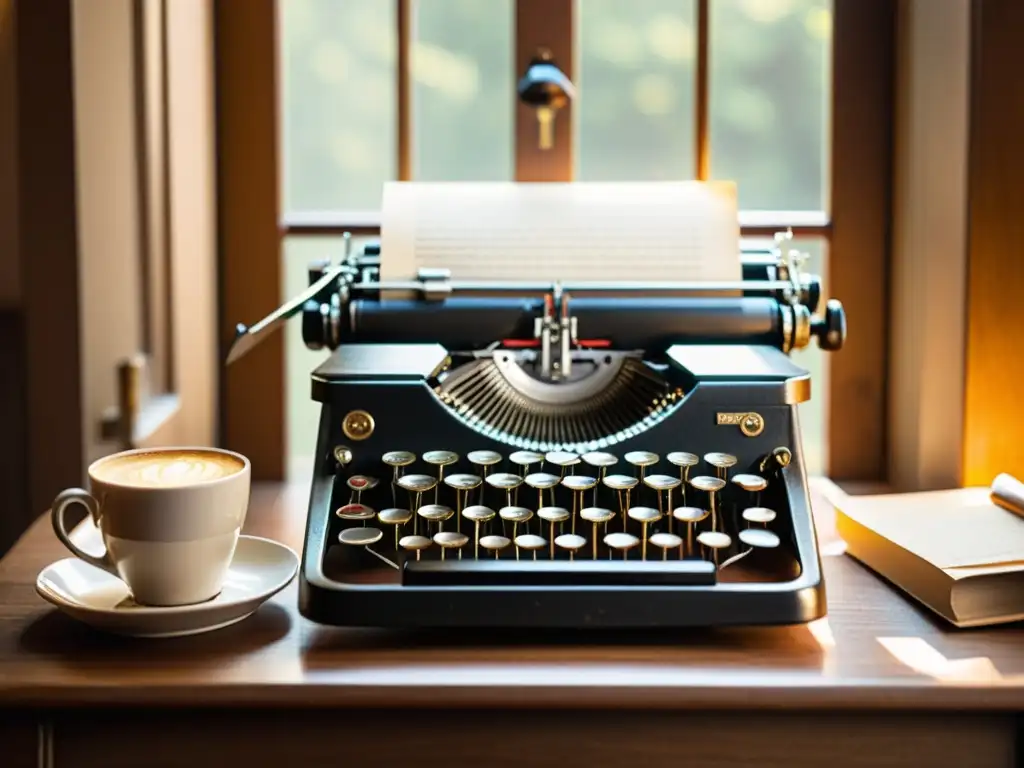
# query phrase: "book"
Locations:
[[959, 552]]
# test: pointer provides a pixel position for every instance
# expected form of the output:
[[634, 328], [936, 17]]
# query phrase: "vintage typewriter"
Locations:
[[569, 454]]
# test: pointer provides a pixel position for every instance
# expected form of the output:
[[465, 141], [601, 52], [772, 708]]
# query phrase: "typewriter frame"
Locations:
[[328, 601]]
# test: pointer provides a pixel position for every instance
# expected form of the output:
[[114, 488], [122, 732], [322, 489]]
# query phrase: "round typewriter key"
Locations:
[[641, 458], [355, 512], [504, 480], [414, 544], [758, 515], [463, 482], [708, 484], [495, 544], [714, 540], [683, 459], [579, 482], [721, 462], [562, 458], [515, 515], [759, 537], [478, 514], [689, 515], [526, 458], [600, 459], [662, 482], [417, 483], [665, 542], [398, 458], [450, 540], [553, 515], [596, 516], [360, 536], [570, 542], [361, 483], [395, 517], [622, 542], [435, 512], [483, 458], [541, 480], [750, 482], [620, 482], [645, 516], [440, 458], [531, 543]]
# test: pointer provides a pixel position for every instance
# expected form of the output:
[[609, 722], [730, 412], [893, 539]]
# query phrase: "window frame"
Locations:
[[855, 230]]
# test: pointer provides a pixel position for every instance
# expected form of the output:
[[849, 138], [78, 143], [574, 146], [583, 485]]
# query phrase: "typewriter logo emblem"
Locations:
[[750, 424]]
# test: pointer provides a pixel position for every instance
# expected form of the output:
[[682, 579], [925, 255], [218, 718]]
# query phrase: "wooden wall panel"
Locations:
[[995, 291], [926, 355], [859, 262], [252, 392]]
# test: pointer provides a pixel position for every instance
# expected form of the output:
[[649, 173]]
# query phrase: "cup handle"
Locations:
[[64, 500]]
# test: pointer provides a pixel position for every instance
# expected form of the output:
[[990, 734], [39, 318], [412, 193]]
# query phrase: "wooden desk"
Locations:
[[877, 683]]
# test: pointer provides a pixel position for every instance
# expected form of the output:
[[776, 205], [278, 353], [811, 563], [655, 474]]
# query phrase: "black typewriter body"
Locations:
[[570, 461]]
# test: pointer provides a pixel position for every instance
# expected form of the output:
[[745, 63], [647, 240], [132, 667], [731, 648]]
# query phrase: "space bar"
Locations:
[[525, 573]]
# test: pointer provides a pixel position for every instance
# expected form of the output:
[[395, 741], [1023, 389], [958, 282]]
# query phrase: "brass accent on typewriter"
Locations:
[[751, 424], [357, 425]]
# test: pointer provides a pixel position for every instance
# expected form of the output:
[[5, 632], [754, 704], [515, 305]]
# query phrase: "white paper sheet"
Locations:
[[606, 231]]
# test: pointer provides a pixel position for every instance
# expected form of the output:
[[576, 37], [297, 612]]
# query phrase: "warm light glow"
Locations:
[[767, 11], [818, 23], [821, 630], [620, 44], [654, 94], [919, 655], [330, 61]]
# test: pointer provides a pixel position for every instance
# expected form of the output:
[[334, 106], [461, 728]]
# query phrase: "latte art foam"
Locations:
[[167, 469]]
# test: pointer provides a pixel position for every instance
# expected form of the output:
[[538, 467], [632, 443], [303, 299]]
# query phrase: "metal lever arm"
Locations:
[[247, 337]]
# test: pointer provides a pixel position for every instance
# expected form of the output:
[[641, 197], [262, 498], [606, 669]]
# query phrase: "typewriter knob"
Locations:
[[830, 327]]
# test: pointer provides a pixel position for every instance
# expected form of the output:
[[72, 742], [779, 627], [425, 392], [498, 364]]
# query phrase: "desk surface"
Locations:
[[875, 650]]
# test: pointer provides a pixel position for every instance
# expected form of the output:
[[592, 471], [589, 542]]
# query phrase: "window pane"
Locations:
[[463, 90], [338, 102], [634, 108], [769, 91]]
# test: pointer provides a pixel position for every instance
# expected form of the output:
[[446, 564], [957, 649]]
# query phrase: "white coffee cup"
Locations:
[[170, 519]]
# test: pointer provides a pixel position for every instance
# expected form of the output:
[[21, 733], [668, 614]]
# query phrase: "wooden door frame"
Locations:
[[252, 226]]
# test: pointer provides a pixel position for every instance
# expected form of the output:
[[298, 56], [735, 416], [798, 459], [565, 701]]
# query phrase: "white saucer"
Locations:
[[260, 569]]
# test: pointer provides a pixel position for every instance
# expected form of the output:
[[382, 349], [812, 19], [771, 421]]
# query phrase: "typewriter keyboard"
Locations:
[[564, 517]]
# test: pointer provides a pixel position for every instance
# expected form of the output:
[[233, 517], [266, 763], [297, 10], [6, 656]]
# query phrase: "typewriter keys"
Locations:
[[597, 515], [665, 542], [714, 540], [435, 513], [623, 542], [600, 459], [416, 485], [360, 537], [689, 515], [478, 514], [722, 462], [531, 543], [506, 482], [542, 481], [397, 460], [645, 516], [440, 459], [642, 459], [450, 540], [758, 515], [360, 483], [462, 484], [759, 538], [553, 515], [571, 543], [578, 484], [685, 461], [515, 515], [711, 486], [483, 458], [355, 512], [415, 544], [663, 483], [562, 459], [620, 484], [494, 544], [526, 458], [395, 517]]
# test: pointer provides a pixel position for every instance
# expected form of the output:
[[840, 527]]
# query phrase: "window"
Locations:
[[745, 90]]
